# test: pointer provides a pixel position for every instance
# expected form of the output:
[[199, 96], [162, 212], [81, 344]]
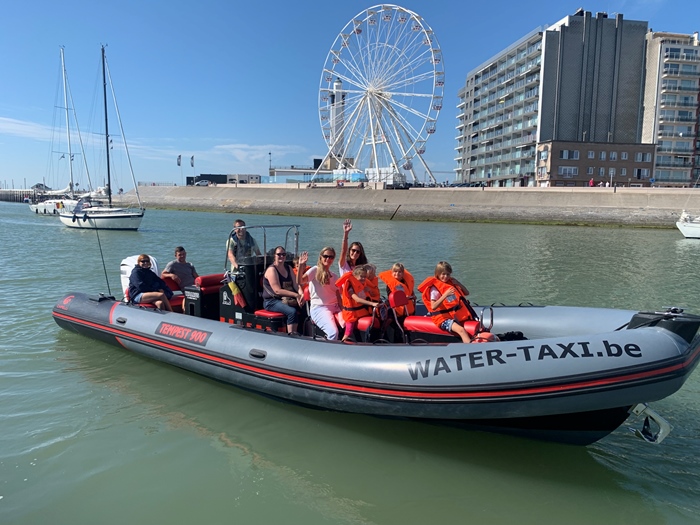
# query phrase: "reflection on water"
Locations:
[[92, 428]]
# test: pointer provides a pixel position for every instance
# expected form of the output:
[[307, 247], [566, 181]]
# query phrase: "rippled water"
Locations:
[[91, 434]]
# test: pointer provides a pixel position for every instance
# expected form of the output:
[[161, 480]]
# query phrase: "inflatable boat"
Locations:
[[566, 374]]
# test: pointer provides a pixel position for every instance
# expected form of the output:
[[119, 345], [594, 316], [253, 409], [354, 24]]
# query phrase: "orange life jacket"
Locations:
[[372, 289], [453, 307], [352, 310], [407, 286]]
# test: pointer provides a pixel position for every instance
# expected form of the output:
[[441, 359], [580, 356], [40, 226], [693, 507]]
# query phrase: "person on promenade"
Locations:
[[179, 270], [145, 287], [398, 278], [446, 300], [355, 299], [241, 244], [324, 295], [349, 258], [280, 291]]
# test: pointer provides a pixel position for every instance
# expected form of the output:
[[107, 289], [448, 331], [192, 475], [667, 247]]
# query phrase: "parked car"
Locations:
[[202, 183]]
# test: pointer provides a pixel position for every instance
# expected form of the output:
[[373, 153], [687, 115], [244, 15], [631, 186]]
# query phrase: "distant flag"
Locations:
[[179, 159], [192, 161]]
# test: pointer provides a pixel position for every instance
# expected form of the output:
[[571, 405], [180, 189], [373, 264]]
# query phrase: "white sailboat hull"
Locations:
[[690, 230], [689, 225], [104, 219], [53, 206]]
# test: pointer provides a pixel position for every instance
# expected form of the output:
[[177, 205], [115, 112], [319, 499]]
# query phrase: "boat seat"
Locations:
[[269, 314], [419, 323], [209, 284], [363, 323], [178, 299], [398, 298]]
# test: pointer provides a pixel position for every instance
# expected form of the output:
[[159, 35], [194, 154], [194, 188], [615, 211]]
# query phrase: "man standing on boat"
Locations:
[[241, 244]]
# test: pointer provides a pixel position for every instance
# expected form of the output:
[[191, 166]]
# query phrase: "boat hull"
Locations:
[[575, 388], [107, 219], [53, 206], [690, 230]]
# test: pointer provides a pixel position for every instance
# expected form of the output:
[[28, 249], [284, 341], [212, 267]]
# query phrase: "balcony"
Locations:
[[673, 164], [676, 88], [681, 57], [691, 119], [680, 73], [671, 149], [677, 104], [678, 134]]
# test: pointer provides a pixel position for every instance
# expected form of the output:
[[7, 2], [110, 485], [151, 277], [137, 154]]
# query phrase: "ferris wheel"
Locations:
[[381, 91]]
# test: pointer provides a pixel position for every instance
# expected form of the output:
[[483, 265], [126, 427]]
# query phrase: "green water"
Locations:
[[91, 434]]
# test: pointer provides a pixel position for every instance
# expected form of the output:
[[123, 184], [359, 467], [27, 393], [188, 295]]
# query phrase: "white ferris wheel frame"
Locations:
[[381, 91]]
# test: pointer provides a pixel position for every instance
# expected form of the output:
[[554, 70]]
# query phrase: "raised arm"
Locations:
[[347, 226], [301, 268]]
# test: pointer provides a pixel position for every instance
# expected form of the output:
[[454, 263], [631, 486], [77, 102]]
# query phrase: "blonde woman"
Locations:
[[325, 297]]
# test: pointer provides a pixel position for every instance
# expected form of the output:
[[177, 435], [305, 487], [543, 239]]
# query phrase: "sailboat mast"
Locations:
[[104, 96], [65, 104]]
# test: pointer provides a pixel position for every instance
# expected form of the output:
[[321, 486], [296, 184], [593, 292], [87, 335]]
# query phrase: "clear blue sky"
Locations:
[[231, 81]]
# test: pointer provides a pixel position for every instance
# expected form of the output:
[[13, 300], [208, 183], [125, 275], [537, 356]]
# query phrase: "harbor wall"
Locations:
[[646, 207]]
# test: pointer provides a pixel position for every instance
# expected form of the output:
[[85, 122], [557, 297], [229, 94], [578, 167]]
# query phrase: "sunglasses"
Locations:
[[281, 254], [354, 250], [328, 256], [144, 262]]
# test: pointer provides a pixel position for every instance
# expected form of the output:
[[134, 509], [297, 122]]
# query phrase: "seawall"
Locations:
[[642, 207]]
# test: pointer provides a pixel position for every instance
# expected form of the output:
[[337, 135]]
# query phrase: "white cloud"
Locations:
[[24, 129]]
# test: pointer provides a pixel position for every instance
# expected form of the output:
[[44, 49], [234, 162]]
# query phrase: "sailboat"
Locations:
[[60, 200], [87, 215]]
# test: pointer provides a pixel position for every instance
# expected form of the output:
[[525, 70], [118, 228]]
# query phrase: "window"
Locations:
[[623, 155], [623, 172], [544, 154], [601, 172], [591, 154], [602, 155], [641, 173], [611, 172], [613, 155], [647, 157], [569, 154], [567, 171], [590, 170], [638, 157]]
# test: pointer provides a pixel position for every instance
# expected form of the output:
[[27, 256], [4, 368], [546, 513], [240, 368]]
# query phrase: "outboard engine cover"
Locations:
[[673, 320]]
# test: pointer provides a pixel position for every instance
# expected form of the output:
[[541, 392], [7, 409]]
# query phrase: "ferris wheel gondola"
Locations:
[[381, 91]]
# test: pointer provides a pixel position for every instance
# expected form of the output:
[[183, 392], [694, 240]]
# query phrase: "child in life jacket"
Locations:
[[445, 298], [398, 278], [356, 303], [372, 283]]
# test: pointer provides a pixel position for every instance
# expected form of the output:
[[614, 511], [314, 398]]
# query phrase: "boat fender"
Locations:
[[74, 218], [485, 337], [85, 217]]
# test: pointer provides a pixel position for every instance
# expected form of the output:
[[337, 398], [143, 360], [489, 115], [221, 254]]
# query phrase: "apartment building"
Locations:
[[579, 80], [671, 94]]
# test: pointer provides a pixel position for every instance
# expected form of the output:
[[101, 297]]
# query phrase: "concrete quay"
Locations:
[[634, 207]]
